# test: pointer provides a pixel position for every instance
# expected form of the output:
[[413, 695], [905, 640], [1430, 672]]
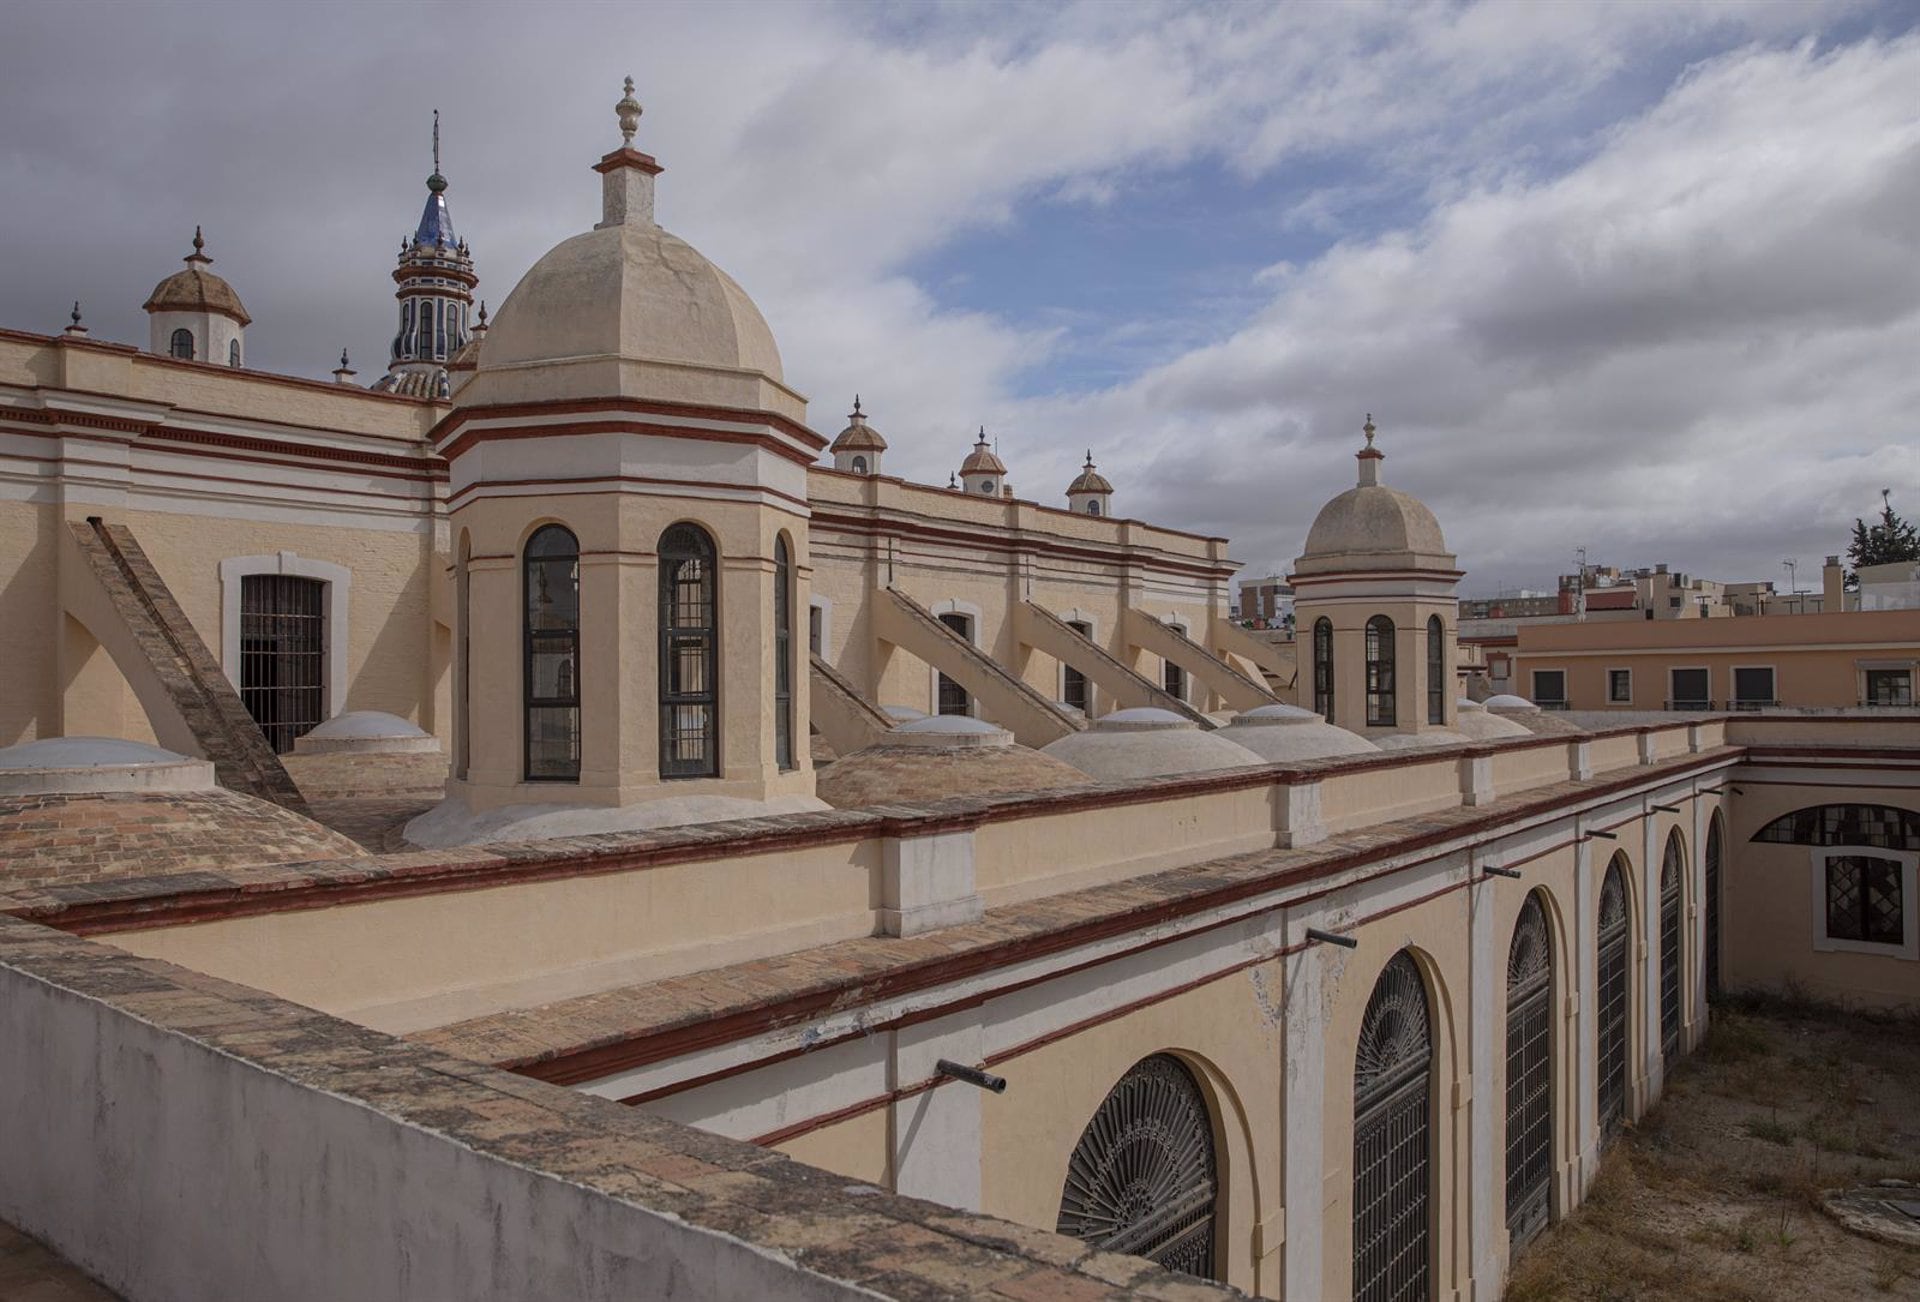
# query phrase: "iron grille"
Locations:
[[551, 685], [283, 655], [1670, 947], [952, 697], [1142, 1178], [689, 680], [1073, 683], [1713, 907], [1391, 1140], [1323, 668], [1529, 1075], [1863, 899], [782, 654], [1612, 1101], [1436, 671]]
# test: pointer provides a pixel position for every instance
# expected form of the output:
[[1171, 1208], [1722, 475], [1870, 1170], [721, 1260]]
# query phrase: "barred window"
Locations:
[[1323, 668], [1436, 671], [1380, 689], [782, 653], [181, 345], [551, 568], [689, 655]]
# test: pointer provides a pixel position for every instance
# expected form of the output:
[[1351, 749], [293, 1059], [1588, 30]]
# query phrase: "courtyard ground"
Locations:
[[1714, 1196]]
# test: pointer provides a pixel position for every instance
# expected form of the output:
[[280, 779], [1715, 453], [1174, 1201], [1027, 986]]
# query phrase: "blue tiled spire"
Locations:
[[436, 223]]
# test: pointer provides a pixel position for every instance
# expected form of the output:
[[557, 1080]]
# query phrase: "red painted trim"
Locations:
[[456, 496], [1018, 501], [456, 420], [1000, 539]]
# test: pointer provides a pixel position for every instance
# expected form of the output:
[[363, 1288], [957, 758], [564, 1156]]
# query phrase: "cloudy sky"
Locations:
[[1640, 278]]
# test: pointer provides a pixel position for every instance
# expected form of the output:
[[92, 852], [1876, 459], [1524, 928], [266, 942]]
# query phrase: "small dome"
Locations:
[[1477, 722], [632, 291], [1148, 743], [1506, 703], [983, 460], [197, 289], [1089, 480], [1372, 519], [858, 436], [905, 713], [919, 763], [1281, 734], [366, 732], [81, 765]]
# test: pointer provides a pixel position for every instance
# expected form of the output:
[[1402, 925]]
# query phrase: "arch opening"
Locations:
[[689, 654], [1392, 1140], [1529, 1074], [1611, 1087]]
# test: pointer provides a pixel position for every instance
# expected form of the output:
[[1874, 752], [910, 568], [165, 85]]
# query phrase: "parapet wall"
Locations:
[[179, 1137]]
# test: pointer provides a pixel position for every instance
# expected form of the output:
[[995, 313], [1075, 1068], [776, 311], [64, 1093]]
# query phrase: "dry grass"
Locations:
[[1714, 1195]]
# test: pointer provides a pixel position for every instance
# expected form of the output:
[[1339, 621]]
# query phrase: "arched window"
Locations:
[[233, 352], [1612, 1005], [1672, 866], [1380, 711], [1884, 826], [1093, 507], [782, 653], [689, 655], [1392, 1140], [1712, 888], [551, 569], [1323, 667], [1436, 672], [1529, 1074], [182, 344], [859, 465], [1143, 1180]]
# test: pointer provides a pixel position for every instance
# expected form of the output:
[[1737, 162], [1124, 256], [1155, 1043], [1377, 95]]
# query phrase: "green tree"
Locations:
[[1892, 539]]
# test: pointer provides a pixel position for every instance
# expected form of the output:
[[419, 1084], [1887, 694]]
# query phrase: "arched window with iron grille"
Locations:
[[551, 568], [1529, 1074], [782, 653], [1613, 981], [1436, 671], [689, 654], [1715, 842], [1672, 867], [181, 345], [1380, 702], [1323, 668], [1143, 1179], [1392, 1140]]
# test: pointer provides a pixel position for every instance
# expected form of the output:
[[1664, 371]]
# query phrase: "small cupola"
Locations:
[[859, 447], [195, 316], [983, 473], [1090, 493]]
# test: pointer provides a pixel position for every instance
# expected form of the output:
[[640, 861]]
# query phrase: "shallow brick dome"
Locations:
[[932, 759]]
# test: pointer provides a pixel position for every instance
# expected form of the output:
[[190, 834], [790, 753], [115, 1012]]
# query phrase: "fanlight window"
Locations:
[[552, 655], [1882, 826], [1380, 703], [1323, 668], [1391, 1140], [1093, 508], [689, 654], [1529, 1074], [1142, 1180], [1612, 965]]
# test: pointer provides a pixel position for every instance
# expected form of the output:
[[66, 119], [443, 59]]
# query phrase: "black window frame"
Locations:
[[685, 544], [1323, 681], [1862, 923], [1616, 679], [783, 749], [1742, 701], [547, 552], [1675, 701], [1903, 695], [1539, 697], [174, 340], [1073, 683], [1381, 687], [1436, 671]]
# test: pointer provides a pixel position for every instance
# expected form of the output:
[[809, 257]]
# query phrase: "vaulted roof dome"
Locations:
[[197, 289], [1370, 523], [983, 460], [1089, 479], [858, 436]]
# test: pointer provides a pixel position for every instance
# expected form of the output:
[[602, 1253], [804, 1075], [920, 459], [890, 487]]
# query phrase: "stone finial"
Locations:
[[1367, 429], [199, 253], [480, 326], [76, 330], [628, 110], [855, 414], [343, 373], [1369, 456]]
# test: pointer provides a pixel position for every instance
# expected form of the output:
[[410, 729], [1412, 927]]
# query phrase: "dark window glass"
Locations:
[[1380, 689], [1620, 686], [953, 698], [1671, 868], [233, 352], [1753, 687], [859, 465], [182, 345], [1863, 899], [815, 623], [1323, 668], [283, 655], [1073, 684], [1436, 671], [1712, 868], [552, 655], [782, 654], [1173, 679], [1612, 971], [689, 654], [1549, 687], [1889, 687], [1690, 690], [1882, 826], [1093, 508]]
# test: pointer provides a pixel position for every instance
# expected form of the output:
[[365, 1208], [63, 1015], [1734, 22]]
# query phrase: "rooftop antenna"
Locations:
[[436, 140], [1792, 563]]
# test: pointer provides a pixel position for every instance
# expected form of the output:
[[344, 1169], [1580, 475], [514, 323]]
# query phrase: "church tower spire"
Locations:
[[435, 294]]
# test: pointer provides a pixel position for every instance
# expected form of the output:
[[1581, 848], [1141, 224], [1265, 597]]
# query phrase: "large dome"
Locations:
[[630, 290]]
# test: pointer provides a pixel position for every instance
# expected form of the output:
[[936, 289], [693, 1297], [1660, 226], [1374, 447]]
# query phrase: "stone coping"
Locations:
[[590, 1036], [825, 1226], [137, 903]]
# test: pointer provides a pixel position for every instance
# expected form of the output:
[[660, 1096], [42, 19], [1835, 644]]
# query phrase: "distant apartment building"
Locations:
[[1266, 602]]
